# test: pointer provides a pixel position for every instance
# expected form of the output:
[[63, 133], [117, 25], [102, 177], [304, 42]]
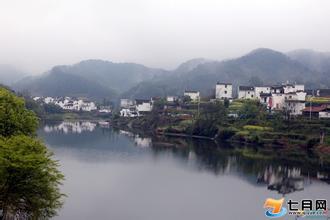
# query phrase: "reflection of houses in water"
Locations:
[[283, 180], [142, 141], [71, 127], [126, 133], [324, 177]]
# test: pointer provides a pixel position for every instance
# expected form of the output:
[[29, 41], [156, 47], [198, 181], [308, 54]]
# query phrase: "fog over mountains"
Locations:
[[99, 79]]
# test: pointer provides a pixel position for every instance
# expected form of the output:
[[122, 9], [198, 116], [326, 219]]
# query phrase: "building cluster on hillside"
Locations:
[[73, 104], [284, 97], [135, 108]]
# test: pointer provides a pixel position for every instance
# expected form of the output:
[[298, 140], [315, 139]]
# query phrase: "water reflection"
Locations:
[[71, 127], [220, 159], [135, 171]]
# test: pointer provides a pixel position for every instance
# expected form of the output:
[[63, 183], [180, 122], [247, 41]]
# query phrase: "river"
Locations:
[[119, 175]]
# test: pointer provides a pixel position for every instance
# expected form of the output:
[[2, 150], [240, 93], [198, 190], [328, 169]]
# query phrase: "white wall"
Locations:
[[144, 107], [194, 96], [243, 94], [295, 108], [223, 91], [261, 89], [278, 101]]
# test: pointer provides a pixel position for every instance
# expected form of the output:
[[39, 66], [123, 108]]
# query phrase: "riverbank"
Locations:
[[75, 116], [253, 126]]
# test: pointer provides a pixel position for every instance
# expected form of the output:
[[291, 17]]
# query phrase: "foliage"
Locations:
[[252, 112], [226, 133], [212, 115], [15, 119], [30, 179]]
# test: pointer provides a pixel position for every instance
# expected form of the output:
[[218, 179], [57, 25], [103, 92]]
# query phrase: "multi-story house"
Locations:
[[224, 91]]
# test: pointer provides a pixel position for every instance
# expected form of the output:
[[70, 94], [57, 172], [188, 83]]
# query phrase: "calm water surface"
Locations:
[[113, 174]]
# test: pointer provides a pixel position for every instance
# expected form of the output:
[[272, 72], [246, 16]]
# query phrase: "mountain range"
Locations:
[[99, 79]]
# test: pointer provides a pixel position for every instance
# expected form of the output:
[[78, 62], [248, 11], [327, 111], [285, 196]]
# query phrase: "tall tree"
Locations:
[[29, 177]]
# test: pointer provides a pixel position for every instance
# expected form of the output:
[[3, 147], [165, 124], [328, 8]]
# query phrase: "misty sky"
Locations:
[[38, 34]]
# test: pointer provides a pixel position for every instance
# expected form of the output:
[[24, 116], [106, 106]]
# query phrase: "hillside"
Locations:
[[58, 83], [90, 78], [103, 79], [262, 65], [319, 61]]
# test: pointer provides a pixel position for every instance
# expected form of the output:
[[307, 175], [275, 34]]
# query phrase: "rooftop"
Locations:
[[246, 88], [315, 108], [222, 83], [191, 91]]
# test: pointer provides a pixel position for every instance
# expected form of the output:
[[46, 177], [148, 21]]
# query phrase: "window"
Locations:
[[225, 86], [225, 92], [251, 96]]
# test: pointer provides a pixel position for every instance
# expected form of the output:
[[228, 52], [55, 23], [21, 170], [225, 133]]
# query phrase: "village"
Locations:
[[73, 104], [293, 99]]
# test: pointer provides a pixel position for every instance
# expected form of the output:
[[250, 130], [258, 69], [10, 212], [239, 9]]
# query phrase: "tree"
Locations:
[[15, 119], [29, 183], [252, 111], [29, 177]]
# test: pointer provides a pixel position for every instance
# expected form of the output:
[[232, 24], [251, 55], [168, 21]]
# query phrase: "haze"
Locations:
[[38, 34]]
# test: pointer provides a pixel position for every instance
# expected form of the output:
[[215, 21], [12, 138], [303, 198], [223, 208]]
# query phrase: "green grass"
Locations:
[[256, 128]]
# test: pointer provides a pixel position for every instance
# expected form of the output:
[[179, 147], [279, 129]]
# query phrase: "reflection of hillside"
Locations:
[[224, 160], [220, 159], [71, 127]]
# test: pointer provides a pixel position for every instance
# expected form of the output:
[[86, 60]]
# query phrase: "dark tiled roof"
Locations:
[[221, 83], [277, 87], [140, 101], [265, 94], [246, 88], [191, 91], [315, 108]]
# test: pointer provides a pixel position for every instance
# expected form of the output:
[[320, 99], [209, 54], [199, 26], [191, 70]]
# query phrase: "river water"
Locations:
[[115, 174]]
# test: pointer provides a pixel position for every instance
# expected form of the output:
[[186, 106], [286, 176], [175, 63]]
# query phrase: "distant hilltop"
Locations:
[[98, 79]]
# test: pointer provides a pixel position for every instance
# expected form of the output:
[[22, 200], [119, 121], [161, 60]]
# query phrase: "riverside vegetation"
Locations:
[[248, 123], [29, 177]]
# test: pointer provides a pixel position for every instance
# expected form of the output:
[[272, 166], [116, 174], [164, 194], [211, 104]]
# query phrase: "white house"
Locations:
[[193, 95], [143, 105], [277, 101], [224, 91], [88, 106], [126, 103], [246, 92], [129, 112], [258, 90], [105, 109], [36, 98], [287, 87], [48, 100], [294, 107], [171, 98]]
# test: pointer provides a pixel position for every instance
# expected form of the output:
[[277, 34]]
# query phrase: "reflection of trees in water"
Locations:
[[282, 176]]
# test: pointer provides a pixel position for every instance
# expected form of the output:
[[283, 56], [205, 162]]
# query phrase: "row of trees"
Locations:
[[29, 177]]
